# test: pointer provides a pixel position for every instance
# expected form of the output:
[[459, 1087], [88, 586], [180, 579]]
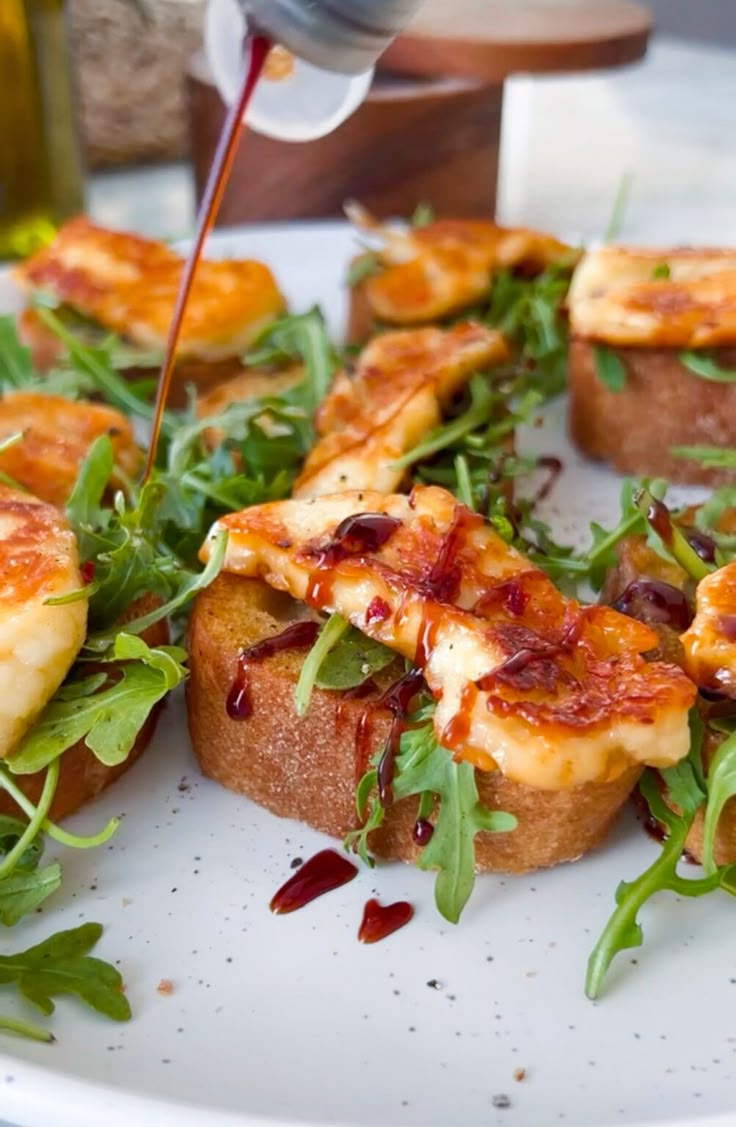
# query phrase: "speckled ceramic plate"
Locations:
[[288, 1020]]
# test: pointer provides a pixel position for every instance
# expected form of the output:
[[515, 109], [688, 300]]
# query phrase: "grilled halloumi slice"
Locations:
[[128, 285], [430, 272], [710, 641], [38, 642], [552, 693], [55, 436], [683, 298], [395, 397]]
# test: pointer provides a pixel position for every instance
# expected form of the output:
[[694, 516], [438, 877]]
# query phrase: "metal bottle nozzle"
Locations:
[[346, 36]]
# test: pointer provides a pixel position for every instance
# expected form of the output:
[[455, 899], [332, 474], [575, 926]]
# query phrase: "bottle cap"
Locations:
[[299, 102]]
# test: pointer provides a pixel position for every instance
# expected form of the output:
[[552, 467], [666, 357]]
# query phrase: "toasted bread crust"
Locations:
[[307, 769], [82, 777], [362, 323], [661, 405]]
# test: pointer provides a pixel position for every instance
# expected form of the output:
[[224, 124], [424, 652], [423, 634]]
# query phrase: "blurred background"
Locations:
[[559, 147], [713, 20]]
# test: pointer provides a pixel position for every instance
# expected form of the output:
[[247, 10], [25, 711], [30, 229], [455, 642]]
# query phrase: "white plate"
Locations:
[[290, 1020]]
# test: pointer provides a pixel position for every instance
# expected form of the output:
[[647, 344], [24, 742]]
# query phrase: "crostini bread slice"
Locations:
[[660, 406], [307, 769], [362, 321], [82, 777]]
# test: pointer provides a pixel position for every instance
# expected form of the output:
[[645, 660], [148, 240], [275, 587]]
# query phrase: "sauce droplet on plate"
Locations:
[[322, 873], [380, 921]]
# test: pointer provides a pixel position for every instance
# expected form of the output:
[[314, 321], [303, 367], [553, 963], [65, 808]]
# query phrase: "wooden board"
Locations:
[[491, 39], [411, 140]]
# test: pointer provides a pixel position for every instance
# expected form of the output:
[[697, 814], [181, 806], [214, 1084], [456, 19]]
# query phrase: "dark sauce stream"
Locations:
[[299, 636], [227, 147]]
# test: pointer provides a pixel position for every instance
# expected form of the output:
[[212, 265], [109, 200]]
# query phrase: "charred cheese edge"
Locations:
[[427, 273], [710, 641], [551, 693], [401, 384], [128, 285], [683, 299]]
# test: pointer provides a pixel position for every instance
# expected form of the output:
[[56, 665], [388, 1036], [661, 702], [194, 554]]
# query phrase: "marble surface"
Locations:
[[667, 124]]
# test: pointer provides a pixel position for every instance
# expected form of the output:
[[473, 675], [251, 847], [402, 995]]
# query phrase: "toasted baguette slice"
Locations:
[[661, 405], [307, 769], [82, 777]]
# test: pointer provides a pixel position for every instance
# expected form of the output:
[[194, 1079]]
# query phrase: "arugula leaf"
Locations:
[[683, 785], [25, 890], [26, 1029], [365, 266], [34, 813], [11, 832], [25, 886], [712, 457], [676, 546], [330, 634], [601, 555], [460, 817], [187, 589], [16, 364], [423, 214], [528, 311], [704, 366], [464, 488], [352, 660], [708, 517], [609, 368], [127, 545], [721, 782], [108, 719], [426, 769], [481, 427], [299, 336], [18, 373], [94, 363], [62, 965], [620, 203]]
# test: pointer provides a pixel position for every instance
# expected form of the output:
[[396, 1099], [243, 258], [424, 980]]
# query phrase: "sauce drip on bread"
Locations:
[[299, 636]]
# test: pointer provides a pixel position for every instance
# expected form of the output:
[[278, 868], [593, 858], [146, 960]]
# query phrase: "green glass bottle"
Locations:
[[41, 179]]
